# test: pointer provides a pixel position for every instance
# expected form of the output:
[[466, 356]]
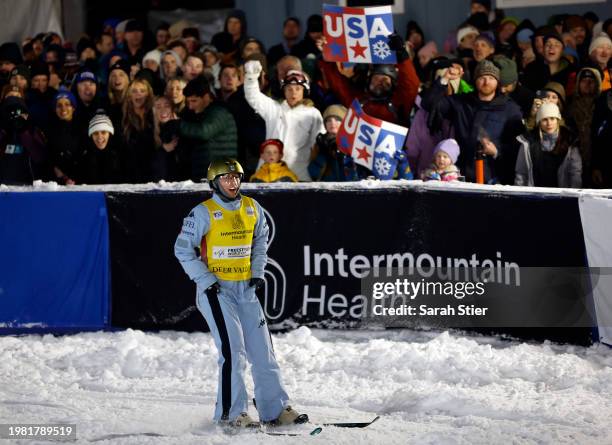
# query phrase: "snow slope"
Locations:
[[429, 387]]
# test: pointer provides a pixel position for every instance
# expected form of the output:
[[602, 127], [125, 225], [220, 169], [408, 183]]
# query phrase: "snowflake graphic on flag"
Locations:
[[382, 166], [381, 49]]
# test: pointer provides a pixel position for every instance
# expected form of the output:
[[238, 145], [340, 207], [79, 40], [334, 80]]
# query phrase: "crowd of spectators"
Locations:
[[530, 102]]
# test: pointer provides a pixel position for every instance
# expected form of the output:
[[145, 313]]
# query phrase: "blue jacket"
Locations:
[[196, 226], [500, 119]]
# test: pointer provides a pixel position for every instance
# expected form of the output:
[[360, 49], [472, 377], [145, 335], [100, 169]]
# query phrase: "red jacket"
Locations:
[[404, 94]]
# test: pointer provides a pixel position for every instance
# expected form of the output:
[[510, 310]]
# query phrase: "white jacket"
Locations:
[[297, 127]]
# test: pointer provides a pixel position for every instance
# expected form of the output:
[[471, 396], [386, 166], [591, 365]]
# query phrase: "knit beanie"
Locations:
[[100, 122], [450, 147], [508, 73], [524, 35], [335, 110], [486, 67], [65, 94], [467, 30], [548, 109], [277, 142], [556, 88], [601, 40]]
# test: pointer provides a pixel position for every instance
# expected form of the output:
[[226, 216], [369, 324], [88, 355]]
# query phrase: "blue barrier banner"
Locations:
[[54, 261]]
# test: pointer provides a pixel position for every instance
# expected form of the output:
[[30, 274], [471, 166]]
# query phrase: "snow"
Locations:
[[366, 184], [429, 387]]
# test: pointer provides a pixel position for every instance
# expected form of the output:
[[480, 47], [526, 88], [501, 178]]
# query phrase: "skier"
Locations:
[[232, 233]]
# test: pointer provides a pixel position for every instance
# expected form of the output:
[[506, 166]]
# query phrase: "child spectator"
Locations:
[[443, 163], [273, 169]]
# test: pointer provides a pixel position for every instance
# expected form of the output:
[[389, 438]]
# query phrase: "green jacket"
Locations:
[[208, 135]]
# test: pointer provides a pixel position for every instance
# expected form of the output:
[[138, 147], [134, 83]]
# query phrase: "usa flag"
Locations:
[[358, 35], [372, 143]]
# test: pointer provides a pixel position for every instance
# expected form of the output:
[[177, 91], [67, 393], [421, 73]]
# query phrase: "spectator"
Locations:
[[295, 121], [152, 60], [600, 54], [180, 49], [391, 90], [40, 97], [23, 152], [100, 161], [85, 89], [284, 65], [162, 36], [510, 86], [10, 56], [425, 55], [307, 48], [503, 35], [229, 78], [482, 48], [580, 111], [20, 77], [64, 142], [118, 82], [174, 92], [466, 37], [134, 42], [553, 67], [171, 64], [207, 129], [577, 27], [194, 66], [137, 131], [327, 163], [291, 35], [250, 46], [484, 121], [428, 130], [552, 92], [549, 155], [104, 44], [236, 26], [166, 163], [525, 54], [443, 166], [191, 39], [415, 38], [602, 135], [273, 169], [212, 63]]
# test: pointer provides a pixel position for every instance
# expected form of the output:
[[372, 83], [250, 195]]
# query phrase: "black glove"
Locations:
[[213, 290], [257, 283], [396, 43], [169, 130]]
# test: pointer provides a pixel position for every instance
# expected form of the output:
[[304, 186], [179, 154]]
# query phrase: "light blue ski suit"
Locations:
[[236, 320]]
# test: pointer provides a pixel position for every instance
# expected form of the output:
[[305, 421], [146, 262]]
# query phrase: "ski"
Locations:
[[351, 424], [314, 432]]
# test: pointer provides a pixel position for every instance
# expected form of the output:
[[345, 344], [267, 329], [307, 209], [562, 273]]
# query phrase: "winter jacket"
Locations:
[[137, 152], [101, 166], [23, 156], [499, 119], [297, 127], [401, 101], [449, 174], [602, 135], [208, 135], [561, 167], [537, 74], [65, 147], [274, 172]]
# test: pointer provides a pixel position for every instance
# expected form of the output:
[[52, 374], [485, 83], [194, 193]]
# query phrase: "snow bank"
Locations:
[[189, 186], [429, 387]]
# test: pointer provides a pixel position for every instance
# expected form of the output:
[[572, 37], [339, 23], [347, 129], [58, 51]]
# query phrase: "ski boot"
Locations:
[[244, 421], [288, 416]]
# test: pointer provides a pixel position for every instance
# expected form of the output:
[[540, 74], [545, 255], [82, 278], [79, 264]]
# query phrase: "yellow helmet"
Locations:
[[223, 166]]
